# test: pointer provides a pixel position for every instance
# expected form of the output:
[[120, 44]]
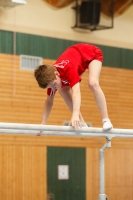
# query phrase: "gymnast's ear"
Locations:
[[57, 73]]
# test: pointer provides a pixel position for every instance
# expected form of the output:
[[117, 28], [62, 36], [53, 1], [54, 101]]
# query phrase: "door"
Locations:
[[73, 186]]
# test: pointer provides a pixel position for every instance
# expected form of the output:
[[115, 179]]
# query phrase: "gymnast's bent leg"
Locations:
[[93, 82]]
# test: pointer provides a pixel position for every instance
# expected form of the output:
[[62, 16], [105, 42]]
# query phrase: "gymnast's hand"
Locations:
[[38, 133], [75, 122]]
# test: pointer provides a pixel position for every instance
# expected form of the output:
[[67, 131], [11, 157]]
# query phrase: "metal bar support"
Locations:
[[102, 195]]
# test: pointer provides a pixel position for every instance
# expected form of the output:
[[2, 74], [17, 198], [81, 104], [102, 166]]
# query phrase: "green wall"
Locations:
[[51, 48], [74, 187]]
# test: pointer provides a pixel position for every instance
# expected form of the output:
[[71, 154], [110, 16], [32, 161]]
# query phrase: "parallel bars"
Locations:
[[31, 129]]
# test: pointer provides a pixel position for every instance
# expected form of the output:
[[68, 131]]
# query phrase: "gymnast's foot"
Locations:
[[107, 124]]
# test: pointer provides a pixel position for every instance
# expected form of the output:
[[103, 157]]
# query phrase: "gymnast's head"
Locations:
[[47, 76]]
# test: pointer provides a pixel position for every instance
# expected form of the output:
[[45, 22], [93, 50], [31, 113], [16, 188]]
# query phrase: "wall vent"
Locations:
[[12, 3], [29, 62]]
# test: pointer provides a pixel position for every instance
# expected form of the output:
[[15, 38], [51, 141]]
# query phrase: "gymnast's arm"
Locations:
[[46, 111], [76, 99], [47, 108], [66, 95]]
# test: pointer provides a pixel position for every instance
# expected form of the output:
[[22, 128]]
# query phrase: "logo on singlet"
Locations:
[[65, 82], [62, 64]]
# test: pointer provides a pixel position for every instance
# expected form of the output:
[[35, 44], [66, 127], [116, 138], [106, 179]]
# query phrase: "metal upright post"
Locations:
[[102, 195]]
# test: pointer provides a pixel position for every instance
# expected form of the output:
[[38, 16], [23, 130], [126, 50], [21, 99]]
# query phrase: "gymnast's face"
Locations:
[[56, 84]]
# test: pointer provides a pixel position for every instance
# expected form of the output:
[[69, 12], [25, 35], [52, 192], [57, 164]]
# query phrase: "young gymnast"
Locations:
[[65, 74]]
